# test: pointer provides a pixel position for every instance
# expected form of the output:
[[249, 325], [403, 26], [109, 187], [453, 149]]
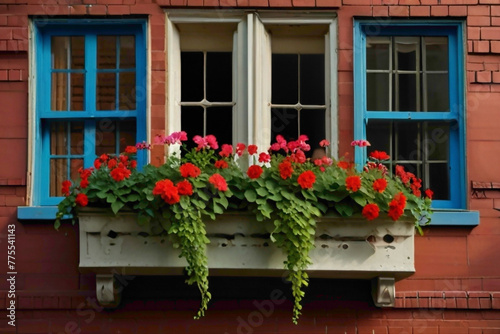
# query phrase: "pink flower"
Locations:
[[173, 138], [226, 150], [212, 142], [264, 157], [360, 143], [324, 143]]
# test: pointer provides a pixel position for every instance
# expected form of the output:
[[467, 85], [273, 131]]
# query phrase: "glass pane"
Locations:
[[407, 141], [438, 180], [76, 140], [437, 92], [219, 77], [437, 141], [77, 91], [127, 51], [406, 53], [192, 120], [127, 91], [407, 92], [58, 173], [378, 133], [377, 53], [59, 92], [284, 122], [75, 165], [106, 51], [377, 91], [108, 132], [192, 76], [312, 124], [436, 51], [220, 124], [312, 79], [285, 78], [58, 138], [127, 134], [106, 91], [77, 52], [60, 46]]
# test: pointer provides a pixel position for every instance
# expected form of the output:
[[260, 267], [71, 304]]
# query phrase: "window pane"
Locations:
[[192, 121], [77, 91], [59, 92], [438, 180], [407, 92], [406, 53], [377, 91], [76, 139], [127, 51], [437, 92], [284, 122], [192, 76], [106, 91], [407, 137], [378, 133], [436, 50], [312, 79], [377, 53], [127, 91], [437, 141], [219, 77], [106, 52], [220, 124], [113, 136], [312, 124], [68, 52], [58, 138], [285, 78], [58, 173]]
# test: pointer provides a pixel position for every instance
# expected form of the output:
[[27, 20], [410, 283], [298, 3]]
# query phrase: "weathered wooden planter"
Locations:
[[381, 250]]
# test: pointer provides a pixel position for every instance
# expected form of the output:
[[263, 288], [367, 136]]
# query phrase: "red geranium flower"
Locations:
[[123, 158], [306, 179], [120, 173], [379, 185], [252, 149], [353, 183], [218, 181], [221, 164], [131, 149], [379, 155], [104, 157], [168, 192], [189, 170], [370, 211], [429, 193], [344, 164], [97, 163], [264, 157], [185, 187], [112, 163], [226, 150], [254, 171], [397, 206], [65, 187], [240, 147], [133, 164], [285, 169], [84, 183], [82, 199]]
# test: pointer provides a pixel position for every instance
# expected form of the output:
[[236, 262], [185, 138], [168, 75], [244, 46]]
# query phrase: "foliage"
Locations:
[[280, 185]]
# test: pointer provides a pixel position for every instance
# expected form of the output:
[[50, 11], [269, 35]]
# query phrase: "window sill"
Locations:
[[454, 218], [38, 213]]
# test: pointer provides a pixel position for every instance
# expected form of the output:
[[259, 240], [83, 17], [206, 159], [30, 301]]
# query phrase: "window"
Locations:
[[409, 101], [246, 77], [90, 97]]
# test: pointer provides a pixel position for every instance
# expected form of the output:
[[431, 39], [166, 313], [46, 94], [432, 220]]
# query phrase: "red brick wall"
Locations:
[[456, 287]]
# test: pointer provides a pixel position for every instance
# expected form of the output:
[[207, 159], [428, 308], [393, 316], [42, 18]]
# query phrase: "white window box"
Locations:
[[382, 250]]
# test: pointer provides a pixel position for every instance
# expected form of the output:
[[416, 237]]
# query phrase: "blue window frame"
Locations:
[[409, 101], [90, 97]]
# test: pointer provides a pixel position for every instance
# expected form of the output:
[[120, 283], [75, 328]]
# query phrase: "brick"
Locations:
[[473, 32], [483, 76], [98, 10], [495, 46], [380, 11], [470, 47], [357, 2], [496, 79], [478, 21], [303, 3], [495, 21], [118, 10], [409, 2], [399, 11], [481, 46], [458, 10], [280, 3], [473, 303], [420, 11], [495, 10], [439, 10], [492, 33], [478, 10]]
